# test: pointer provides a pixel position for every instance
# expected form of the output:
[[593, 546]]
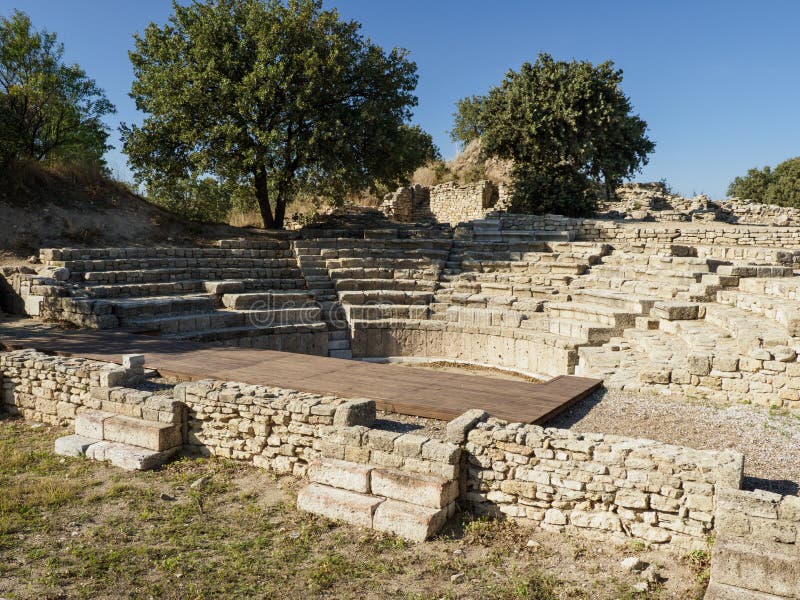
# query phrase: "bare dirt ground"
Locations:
[[72, 528], [769, 439]]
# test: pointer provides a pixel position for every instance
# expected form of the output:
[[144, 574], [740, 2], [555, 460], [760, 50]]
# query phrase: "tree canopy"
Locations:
[[780, 185], [567, 126], [280, 96], [49, 110], [467, 120]]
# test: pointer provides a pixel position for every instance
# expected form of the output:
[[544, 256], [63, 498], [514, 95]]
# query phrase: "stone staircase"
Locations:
[[242, 292], [132, 430], [411, 505]]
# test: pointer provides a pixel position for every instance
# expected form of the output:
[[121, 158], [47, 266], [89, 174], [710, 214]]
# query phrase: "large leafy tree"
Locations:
[[780, 185], [568, 127], [467, 120], [49, 110], [280, 96]]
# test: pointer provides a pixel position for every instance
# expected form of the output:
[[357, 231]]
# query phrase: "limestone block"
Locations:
[[90, 423], [133, 361], [409, 444], [145, 434], [333, 503], [410, 521], [760, 567], [341, 474], [355, 412], [435, 492], [458, 428], [73, 445]]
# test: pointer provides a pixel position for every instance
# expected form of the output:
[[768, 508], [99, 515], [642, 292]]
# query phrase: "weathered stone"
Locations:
[[341, 474], [410, 521], [342, 505]]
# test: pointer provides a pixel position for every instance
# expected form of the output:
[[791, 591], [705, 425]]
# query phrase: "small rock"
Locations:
[[652, 575], [294, 535], [458, 552], [167, 497], [632, 563], [533, 545], [640, 588], [456, 578], [200, 483]]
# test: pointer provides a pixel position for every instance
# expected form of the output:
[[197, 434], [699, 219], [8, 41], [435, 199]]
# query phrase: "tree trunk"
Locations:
[[280, 210], [262, 196]]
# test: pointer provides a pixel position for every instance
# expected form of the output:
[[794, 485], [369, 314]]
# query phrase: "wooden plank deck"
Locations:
[[418, 392]]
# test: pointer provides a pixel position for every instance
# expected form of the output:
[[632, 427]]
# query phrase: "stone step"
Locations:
[[338, 504], [676, 311], [619, 300], [402, 285], [263, 300], [170, 275], [170, 324], [129, 457], [782, 311], [588, 333], [787, 288], [189, 286], [344, 354], [152, 435], [744, 270], [150, 252], [159, 305], [749, 329], [591, 313], [79, 268], [337, 335], [387, 311], [386, 297]]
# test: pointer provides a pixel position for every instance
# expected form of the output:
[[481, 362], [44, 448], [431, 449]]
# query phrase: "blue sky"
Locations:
[[717, 82]]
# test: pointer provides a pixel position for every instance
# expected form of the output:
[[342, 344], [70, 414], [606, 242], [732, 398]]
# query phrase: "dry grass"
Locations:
[[72, 528]]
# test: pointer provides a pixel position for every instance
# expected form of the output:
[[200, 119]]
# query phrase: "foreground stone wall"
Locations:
[[617, 487], [52, 389], [610, 484], [757, 550]]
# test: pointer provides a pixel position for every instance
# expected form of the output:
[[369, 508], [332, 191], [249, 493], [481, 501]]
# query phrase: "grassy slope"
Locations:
[[71, 528], [56, 207]]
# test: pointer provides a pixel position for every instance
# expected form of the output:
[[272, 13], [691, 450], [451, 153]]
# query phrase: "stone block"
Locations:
[[760, 567], [435, 492], [341, 474], [133, 361], [125, 456], [90, 423], [459, 428], [145, 434], [73, 445], [721, 591], [342, 505], [355, 412], [410, 521]]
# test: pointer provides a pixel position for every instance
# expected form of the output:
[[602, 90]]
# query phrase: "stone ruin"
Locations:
[[690, 308]]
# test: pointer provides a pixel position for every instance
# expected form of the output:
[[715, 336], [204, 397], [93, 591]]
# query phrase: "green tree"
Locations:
[[784, 187], [285, 96], [49, 110], [752, 186], [203, 199], [568, 127], [780, 185], [467, 120]]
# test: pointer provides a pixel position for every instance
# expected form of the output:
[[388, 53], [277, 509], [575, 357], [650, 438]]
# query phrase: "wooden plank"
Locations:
[[400, 389]]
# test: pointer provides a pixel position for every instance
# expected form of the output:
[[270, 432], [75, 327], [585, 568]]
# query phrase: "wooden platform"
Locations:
[[404, 390]]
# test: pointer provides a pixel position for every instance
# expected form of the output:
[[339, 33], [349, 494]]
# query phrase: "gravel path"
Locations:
[[769, 441]]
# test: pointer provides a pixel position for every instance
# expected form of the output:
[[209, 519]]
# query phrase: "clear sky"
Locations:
[[718, 82]]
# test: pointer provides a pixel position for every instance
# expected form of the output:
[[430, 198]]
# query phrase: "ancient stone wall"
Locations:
[[613, 486], [52, 389], [449, 202], [609, 484], [757, 548]]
